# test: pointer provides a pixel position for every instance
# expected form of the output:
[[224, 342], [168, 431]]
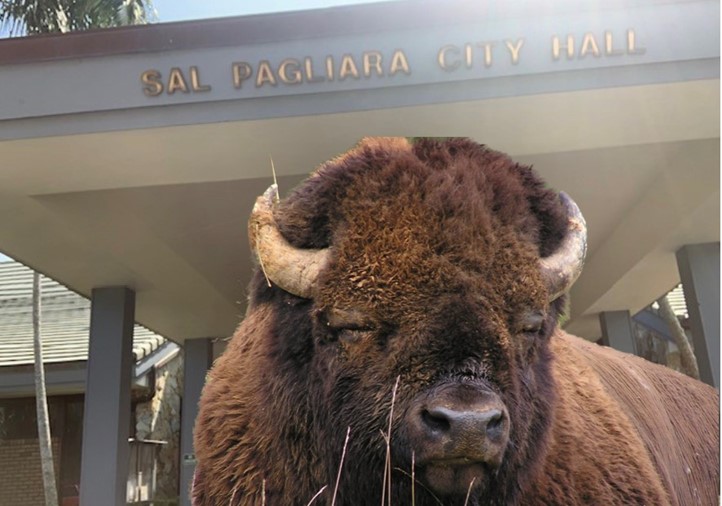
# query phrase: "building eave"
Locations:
[[283, 26]]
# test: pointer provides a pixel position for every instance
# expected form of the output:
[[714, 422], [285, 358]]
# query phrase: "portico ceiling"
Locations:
[[163, 210]]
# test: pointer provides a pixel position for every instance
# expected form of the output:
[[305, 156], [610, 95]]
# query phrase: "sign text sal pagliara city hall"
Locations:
[[375, 64]]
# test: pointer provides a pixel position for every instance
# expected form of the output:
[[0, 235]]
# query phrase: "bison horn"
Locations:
[[293, 269], [561, 269]]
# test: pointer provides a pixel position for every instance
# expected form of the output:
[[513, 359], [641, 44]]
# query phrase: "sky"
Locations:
[[183, 10]]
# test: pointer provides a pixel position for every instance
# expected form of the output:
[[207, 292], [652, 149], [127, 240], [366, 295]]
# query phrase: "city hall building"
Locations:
[[130, 159]]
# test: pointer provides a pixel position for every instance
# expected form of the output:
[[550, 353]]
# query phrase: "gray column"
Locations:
[[198, 358], [617, 330], [106, 420], [699, 270]]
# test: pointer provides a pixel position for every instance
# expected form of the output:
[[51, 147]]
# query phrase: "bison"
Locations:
[[402, 345]]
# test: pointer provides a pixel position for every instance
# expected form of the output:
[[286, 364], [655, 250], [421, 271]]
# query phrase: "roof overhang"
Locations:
[[69, 378]]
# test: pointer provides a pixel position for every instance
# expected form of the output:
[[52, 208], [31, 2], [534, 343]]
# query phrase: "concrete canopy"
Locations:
[[155, 194]]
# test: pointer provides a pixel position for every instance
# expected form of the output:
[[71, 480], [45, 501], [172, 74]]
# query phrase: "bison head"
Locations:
[[413, 288]]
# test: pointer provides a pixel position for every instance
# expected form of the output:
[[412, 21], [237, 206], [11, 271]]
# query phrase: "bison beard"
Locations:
[[437, 265]]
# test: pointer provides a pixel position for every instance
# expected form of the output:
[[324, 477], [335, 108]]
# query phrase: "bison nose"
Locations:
[[457, 424], [459, 433]]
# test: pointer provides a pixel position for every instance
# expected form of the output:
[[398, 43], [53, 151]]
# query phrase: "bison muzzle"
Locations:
[[459, 432]]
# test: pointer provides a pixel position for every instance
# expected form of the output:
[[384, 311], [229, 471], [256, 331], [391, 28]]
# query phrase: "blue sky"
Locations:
[[183, 10]]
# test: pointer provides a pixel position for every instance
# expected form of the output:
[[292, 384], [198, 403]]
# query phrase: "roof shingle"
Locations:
[[65, 321]]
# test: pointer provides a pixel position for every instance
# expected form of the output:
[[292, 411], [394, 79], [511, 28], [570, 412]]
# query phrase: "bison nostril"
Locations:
[[436, 420], [494, 423]]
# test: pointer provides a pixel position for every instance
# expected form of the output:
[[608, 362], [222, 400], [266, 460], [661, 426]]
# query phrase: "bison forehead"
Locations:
[[405, 221], [399, 253]]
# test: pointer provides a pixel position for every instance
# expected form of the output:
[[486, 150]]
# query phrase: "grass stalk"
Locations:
[[403, 471], [468, 492], [233, 495], [387, 437], [340, 467], [413, 478], [317, 494]]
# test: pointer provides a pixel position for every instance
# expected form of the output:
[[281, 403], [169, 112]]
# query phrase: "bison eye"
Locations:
[[346, 325], [531, 324], [353, 335]]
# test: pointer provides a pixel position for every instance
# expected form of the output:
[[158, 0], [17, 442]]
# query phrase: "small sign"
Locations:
[[189, 459]]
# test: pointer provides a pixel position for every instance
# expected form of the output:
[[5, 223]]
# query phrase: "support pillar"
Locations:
[[617, 331], [106, 419], [198, 358], [699, 269]]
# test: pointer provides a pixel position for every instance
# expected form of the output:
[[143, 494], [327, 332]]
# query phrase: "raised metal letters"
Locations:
[[462, 56]]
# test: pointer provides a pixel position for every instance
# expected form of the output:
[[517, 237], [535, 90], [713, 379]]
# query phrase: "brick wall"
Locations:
[[21, 480]]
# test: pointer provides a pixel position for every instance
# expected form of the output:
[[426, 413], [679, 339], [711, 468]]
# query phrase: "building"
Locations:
[[130, 158], [65, 325]]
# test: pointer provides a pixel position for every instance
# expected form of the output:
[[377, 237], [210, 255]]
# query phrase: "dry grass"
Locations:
[[340, 466], [323, 489], [233, 496], [468, 492], [403, 471], [386, 485], [387, 437], [413, 478]]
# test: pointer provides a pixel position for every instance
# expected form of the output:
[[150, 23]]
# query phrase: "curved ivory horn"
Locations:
[[562, 268], [293, 269]]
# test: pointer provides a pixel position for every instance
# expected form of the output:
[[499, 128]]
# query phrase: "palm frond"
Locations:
[[29, 17]]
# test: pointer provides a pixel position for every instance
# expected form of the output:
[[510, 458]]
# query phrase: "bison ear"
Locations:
[[303, 217], [549, 211], [559, 231]]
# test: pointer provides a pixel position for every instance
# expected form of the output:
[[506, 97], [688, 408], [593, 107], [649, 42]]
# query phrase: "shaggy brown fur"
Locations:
[[436, 246]]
